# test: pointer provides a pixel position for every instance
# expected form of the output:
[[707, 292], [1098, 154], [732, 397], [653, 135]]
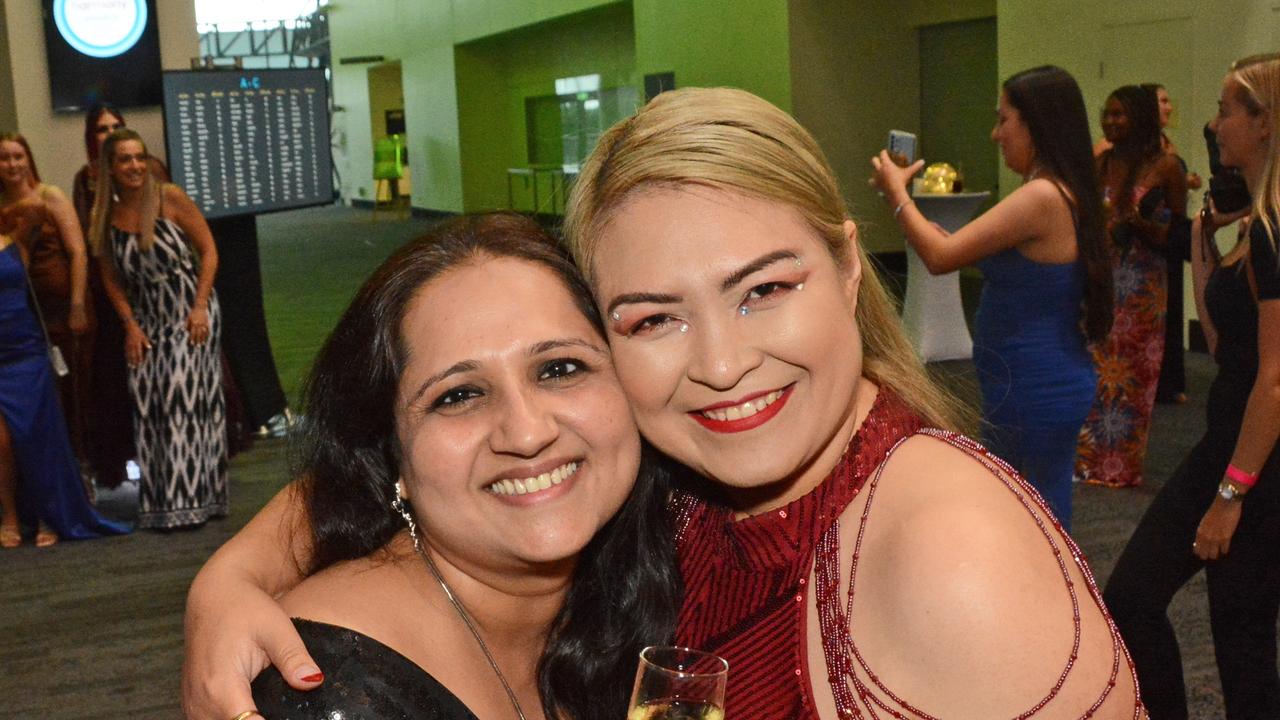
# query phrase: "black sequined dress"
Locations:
[[363, 680]]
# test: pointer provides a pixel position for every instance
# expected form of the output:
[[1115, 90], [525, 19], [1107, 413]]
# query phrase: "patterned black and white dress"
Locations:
[[178, 408]]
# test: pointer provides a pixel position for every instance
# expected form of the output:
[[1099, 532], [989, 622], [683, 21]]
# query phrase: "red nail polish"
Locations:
[[317, 677]]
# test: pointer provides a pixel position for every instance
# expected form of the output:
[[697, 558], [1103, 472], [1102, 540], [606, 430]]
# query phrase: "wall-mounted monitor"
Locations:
[[102, 50], [243, 142]]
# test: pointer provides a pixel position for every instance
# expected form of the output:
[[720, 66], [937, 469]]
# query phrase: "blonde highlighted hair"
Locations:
[[734, 141], [1259, 79], [105, 198]]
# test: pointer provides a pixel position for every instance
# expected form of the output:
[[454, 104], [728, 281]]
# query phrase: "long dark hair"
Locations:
[[91, 126], [626, 590], [1143, 144], [1051, 105]]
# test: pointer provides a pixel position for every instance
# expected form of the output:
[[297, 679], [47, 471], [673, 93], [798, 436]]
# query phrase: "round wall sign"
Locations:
[[100, 28]]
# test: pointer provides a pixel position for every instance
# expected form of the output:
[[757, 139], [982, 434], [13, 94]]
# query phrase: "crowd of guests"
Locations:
[[474, 473], [706, 427], [110, 345]]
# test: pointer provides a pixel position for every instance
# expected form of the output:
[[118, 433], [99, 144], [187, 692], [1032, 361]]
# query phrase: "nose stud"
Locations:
[[684, 327], [743, 310], [616, 317]]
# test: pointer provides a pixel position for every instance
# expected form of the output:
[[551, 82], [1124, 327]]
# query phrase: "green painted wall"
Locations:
[[468, 65], [497, 75], [958, 81], [738, 43], [855, 74]]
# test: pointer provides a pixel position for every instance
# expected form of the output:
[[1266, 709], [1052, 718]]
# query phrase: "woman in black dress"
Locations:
[[1221, 509], [479, 543]]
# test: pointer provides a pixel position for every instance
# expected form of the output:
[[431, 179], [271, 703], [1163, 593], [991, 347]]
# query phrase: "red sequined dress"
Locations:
[[745, 584]]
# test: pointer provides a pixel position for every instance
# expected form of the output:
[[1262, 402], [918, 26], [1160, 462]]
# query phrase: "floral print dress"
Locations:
[[1113, 441]]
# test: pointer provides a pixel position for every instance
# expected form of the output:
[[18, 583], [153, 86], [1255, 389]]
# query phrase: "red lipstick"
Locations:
[[744, 424]]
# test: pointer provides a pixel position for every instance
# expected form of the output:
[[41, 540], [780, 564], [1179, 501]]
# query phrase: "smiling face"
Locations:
[[733, 335], [1243, 136], [1115, 121], [129, 165], [15, 164], [516, 439], [1013, 137]]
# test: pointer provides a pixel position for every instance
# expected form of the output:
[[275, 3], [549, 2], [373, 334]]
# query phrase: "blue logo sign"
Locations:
[[100, 28]]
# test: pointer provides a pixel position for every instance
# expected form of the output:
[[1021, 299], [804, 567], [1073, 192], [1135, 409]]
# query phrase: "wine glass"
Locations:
[[677, 683]]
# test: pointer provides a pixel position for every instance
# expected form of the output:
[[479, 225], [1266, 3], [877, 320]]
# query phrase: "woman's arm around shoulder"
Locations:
[[983, 606], [234, 627]]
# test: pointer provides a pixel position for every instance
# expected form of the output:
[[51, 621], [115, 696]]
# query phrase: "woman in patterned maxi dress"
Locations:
[[1143, 188], [172, 325]]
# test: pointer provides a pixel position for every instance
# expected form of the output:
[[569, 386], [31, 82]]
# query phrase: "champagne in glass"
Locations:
[[675, 683]]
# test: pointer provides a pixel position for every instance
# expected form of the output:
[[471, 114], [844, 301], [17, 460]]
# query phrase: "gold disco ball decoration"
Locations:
[[939, 179]]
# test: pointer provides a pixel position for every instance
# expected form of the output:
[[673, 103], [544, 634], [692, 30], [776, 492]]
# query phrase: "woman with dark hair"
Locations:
[[110, 442], [1143, 189], [478, 478], [1220, 511], [39, 216], [158, 262], [1047, 287]]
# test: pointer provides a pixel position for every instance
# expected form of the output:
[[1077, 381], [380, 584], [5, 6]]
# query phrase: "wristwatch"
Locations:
[[1228, 492]]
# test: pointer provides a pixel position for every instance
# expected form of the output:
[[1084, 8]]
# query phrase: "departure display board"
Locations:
[[244, 142]]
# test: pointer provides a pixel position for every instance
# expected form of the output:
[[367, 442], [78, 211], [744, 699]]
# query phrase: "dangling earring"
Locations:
[[400, 507]]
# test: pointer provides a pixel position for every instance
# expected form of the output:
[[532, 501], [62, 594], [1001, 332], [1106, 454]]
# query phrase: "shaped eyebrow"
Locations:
[[755, 266], [534, 350], [548, 345], [454, 369], [728, 283], [641, 297]]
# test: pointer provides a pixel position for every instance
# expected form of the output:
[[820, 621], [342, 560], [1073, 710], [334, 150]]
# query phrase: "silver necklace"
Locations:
[[466, 619]]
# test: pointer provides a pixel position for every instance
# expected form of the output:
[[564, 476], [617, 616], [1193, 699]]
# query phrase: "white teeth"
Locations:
[[745, 410], [524, 486]]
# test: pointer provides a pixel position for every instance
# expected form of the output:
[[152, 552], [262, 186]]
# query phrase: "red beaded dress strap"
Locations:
[[840, 651]]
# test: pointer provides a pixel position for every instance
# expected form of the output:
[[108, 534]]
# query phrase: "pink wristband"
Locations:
[[1242, 477]]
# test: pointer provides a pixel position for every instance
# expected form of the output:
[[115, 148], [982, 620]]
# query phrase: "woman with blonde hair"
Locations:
[[759, 350], [1220, 510], [158, 264]]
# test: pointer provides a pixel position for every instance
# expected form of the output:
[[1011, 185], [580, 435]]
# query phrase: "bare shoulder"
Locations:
[[1040, 204], [52, 194], [970, 597], [175, 197]]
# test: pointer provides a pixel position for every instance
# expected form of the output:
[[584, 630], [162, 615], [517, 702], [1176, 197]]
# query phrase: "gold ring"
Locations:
[[246, 715]]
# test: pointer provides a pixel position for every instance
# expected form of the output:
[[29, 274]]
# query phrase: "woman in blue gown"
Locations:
[[36, 462], [1047, 277]]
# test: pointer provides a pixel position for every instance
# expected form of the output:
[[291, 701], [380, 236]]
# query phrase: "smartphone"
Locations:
[[902, 147]]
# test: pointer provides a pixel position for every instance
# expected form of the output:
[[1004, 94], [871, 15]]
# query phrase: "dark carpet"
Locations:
[[94, 629]]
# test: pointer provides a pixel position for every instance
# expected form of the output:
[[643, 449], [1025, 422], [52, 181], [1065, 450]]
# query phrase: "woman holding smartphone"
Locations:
[[1047, 289]]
